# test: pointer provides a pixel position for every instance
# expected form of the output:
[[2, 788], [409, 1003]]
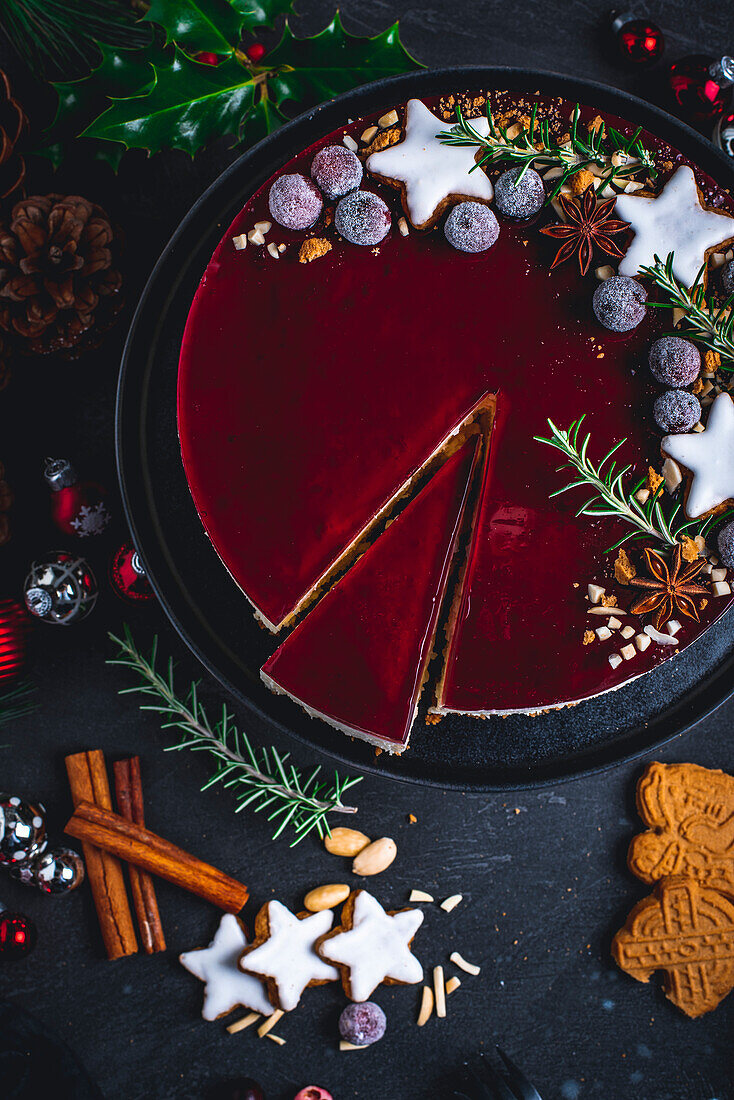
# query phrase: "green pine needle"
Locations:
[[535, 147], [263, 779], [16, 702], [610, 496], [707, 323]]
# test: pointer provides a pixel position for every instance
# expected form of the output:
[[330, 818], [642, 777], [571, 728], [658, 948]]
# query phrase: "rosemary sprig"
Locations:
[[261, 780], [709, 324], [535, 147], [16, 702], [610, 496]]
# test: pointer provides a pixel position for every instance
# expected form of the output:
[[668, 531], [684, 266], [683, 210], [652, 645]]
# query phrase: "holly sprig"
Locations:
[[535, 146], [165, 97], [707, 322]]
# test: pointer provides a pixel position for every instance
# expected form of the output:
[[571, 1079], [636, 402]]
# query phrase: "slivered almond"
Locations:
[[426, 1009], [452, 984], [606, 611], [449, 904], [246, 1021], [276, 1039], [420, 895], [270, 1022], [345, 842], [344, 1045], [439, 992], [467, 967], [376, 857], [325, 897]]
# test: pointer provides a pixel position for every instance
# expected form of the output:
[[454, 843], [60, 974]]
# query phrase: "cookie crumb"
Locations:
[[689, 551], [589, 637], [654, 480], [312, 249], [712, 361], [384, 140], [624, 569]]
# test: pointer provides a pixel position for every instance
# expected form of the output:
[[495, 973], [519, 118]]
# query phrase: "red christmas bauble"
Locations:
[[127, 574], [256, 52], [17, 935], [701, 87], [640, 42], [77, 507], [14, 624]]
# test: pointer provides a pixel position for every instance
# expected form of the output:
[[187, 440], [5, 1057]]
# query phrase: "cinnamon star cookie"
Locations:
[[372, 946], [283, 953], [226, 986]]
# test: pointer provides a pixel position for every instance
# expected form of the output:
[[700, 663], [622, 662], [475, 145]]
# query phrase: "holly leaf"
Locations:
[[318, 68], [262, 13], [200, 25], [261, 121], [188, 105]]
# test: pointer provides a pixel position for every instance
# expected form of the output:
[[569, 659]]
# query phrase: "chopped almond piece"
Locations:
[[368, 134], [595, 593], [388, 119]]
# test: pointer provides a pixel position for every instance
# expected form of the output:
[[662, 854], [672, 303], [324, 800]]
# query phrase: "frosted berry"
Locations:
[[619, 303], [676, 411], [519, 193], [471, 227], [362, 1024], [725, 542], [362, 218], [674, 361], [313, 1092], [295, 201], [727, 278], [337, 171]]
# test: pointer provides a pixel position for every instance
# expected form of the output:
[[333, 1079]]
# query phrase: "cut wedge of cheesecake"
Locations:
[[360, 658]]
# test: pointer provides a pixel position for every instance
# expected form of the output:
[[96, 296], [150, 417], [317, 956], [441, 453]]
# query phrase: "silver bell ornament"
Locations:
[[57, 870], [22, 830], [61, 589]]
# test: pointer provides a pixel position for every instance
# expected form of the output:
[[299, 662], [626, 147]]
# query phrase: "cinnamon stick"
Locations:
[[139, 846], [88, 782], [129, 791]]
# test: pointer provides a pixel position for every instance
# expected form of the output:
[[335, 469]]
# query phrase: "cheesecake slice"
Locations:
[[360, 658]]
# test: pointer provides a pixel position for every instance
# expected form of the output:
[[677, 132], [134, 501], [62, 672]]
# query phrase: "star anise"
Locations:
[[669, 587], [589, 226]]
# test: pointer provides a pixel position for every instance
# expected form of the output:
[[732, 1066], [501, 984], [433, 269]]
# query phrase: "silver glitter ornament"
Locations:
[[57, 870], [22, 830], [61, 589]]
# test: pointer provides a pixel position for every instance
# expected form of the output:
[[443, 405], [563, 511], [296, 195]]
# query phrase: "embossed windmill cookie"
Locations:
[[687, 931], [283, 953], [372, 946], [690, 814]]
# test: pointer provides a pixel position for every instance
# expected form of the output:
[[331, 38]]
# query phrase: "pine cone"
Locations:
[[59, 286], [12, 124]]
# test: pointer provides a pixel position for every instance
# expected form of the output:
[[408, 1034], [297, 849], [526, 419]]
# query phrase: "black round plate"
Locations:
[[208, 609]]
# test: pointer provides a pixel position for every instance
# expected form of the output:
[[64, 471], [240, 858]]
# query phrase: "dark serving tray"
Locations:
[[213, 616]]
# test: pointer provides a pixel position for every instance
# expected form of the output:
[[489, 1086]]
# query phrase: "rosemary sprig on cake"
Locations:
[[535, 147], [262, 779], [610, 495], [707, 323]]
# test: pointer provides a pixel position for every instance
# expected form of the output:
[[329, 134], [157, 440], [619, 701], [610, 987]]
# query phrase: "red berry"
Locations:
[[256, 52], [207, 58], [313, 1092]]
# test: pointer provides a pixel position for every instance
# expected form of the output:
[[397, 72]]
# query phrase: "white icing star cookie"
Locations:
[[283, 953], [216, 965], [428, 173], [372, 946], [676, 222], [709, 456]]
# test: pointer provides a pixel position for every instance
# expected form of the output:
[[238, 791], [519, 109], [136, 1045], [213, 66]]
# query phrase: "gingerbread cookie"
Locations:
[[283, 953], [372, 946], [429, 174], [226, 986], [690, 814], [673, 221], [687, 931]]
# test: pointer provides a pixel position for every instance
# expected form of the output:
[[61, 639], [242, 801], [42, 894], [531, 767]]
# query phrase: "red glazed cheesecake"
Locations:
[[332, 389]]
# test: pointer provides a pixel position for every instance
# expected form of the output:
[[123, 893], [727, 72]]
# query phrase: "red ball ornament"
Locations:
[[17, 935], [256, 52], [14, 624], [701, 87], [127, 574], [640, 42], [77, 507]]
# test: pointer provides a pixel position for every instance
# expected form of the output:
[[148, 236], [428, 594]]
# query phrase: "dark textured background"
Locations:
[[543, 874]]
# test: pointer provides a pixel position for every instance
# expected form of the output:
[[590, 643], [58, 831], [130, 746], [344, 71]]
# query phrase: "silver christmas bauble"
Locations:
[[57, 870], [22, 830], [60, 590]]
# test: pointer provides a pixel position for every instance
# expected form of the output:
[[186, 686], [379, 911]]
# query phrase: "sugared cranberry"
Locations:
[[313, 1092], [725, 542], [519, 193], [676, 411], [619, 303], [337, 171], [362, 218], [674, 361], [362, 1024], [295, 201], [727, 278], [256, 52], [471, 227]]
